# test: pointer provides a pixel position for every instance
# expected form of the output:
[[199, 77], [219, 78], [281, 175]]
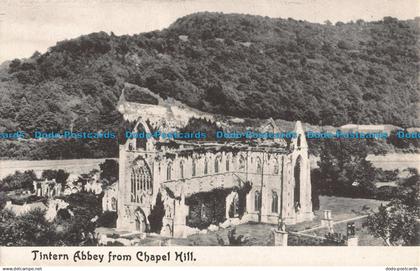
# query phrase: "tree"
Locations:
[[237, 239], [36, 55], [7, 108], [316, 182], [14, 65], [60, 175], [48, 122], [84, 178], [79, 229], [7, 228], [107, 219], [394, 223], [409, 190], [328, 22], [29, 229], [109, 170], [344, 170], [202, 125], [215, 94], [157, 214], [19, 180], [26, 118]]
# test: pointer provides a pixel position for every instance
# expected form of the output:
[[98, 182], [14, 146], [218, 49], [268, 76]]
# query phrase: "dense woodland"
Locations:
[[239, 65], [362, 72]]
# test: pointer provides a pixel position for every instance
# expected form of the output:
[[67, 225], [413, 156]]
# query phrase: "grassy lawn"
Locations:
[[365, 239], [341, 209], [345, 208], [260, 234], [257, 234]]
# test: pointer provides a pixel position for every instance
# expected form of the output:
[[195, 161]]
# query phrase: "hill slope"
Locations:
[[239, 65]]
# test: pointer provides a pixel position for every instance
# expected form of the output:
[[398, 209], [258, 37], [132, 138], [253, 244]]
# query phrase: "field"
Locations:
[[73, 166], [393, 161], [389, 161]]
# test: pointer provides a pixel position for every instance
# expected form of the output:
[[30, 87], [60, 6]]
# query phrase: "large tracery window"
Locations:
[[141, 181]]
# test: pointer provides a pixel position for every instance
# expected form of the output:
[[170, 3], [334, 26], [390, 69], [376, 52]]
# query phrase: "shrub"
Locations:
[[107, 219]]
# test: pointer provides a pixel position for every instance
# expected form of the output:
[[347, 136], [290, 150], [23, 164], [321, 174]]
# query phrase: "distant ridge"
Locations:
[[228, 64]]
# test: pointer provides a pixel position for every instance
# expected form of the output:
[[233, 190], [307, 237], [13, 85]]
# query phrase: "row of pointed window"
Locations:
[[274, 201], [216, 167]]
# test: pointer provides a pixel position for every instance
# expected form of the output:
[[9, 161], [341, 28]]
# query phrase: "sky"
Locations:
[[30, 25]]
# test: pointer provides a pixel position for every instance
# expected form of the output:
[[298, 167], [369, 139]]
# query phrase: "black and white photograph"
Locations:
[[208, 123]]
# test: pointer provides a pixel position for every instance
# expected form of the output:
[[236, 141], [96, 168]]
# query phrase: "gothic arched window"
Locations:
[[206, 166], [113, 204], [227, 163], [169, 171], [274, 202], [141, 181], [241, 162], [193, 167], [276, 167], [133, 186], [216, 165], [257, 201], [259, 168], [296, 173], [181, 169]]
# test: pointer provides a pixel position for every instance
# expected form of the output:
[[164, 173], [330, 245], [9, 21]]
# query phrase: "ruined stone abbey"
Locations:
[[173, 185]]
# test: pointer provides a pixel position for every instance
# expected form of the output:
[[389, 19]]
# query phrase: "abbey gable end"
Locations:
[[167, 186]]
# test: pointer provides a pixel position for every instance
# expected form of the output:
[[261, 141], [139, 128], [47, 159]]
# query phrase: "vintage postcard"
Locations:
[[210, 132]]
